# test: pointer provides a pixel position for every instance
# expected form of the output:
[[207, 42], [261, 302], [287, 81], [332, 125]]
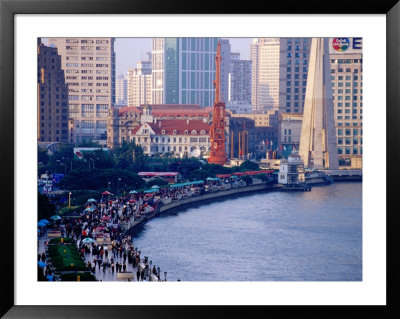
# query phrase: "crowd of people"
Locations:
[[100, 240]]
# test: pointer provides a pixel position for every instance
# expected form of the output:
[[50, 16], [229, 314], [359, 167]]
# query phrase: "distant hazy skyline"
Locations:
[[129, 51]]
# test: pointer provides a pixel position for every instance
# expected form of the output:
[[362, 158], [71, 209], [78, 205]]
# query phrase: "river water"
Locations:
[[269, 236]]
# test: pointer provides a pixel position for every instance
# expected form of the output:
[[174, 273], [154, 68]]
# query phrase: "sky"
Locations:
[[129, 51]]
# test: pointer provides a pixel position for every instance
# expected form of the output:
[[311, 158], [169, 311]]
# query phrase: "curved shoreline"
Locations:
[[130, 226]]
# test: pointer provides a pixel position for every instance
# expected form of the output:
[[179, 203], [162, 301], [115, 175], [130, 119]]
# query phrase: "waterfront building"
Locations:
[[346, 74], [318, 148], [140, 84], [89, 67], [239, 85], [52, 95], [289, 131], [183, 70], [123, 120], [279, 73], [121, 91], [291, 171], [179, 137]]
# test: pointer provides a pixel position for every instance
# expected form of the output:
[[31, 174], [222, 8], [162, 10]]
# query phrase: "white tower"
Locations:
[[318, 148]]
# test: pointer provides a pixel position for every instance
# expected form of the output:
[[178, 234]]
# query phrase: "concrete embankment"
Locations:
[[204, 197]]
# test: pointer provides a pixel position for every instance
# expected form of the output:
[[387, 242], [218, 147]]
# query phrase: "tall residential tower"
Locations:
[[89, 67], [183, 70], [52, 97]]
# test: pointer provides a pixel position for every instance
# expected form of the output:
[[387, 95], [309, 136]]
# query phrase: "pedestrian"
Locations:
[[138, 273], [124, 267], [112, 267]]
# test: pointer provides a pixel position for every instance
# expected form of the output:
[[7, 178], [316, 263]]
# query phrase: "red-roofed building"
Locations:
[[180, 137], [122, 121]]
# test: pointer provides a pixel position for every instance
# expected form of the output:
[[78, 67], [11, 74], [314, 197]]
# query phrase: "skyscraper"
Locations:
[[89, 67], [52, 97], [318, 147], [121, 91], [279, 73], [139, 84], [294, 56], [346, 75], [265, 56], [184, 70], [239, 85]]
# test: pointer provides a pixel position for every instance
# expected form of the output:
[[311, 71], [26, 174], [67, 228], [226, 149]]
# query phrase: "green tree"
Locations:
[[249, 166], [45, 208], [247, 179]]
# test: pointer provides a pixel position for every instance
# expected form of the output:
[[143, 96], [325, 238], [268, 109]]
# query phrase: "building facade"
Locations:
[[291, 171], [265, 54], [123, 120], [140, 84], [346, 74], [179, 137], [121, 91], [52, 97], [89, 67], [183, 70], [294, 58], [289, 131], [239, 85], [279, 73]]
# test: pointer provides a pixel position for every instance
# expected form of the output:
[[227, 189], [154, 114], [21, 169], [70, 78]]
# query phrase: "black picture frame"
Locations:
[[9, 8]]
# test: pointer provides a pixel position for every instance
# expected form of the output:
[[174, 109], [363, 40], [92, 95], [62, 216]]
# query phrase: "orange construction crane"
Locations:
[[217, 130]]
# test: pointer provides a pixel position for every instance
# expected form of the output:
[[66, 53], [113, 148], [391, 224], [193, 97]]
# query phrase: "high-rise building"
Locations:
[[294, 57], [279, 73], [52, 97], [346, 74], [184, 70], [139, 84], [265, 54], [121, 91], [89, 67], [239, 85]]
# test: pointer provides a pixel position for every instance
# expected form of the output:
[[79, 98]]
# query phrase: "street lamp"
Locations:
[[165, 275], [118, 185], [109, 185]]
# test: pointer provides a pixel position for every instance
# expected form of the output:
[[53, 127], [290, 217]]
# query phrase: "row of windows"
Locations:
[[347, 77], [347, 150], [347, 91], [346, 61], [57, 124], [297, 61], [296, 55], [296, 83], [347, 132], [347, 104], [296, 97], [296, 69], [86, 41], [340, 70], [88, 97], [85, 48]]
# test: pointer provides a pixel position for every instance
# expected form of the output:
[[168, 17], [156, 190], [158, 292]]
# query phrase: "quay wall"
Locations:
[[195, 199]]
